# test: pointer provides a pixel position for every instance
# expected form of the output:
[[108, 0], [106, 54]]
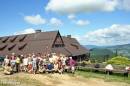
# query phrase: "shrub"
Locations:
[[119, 60]]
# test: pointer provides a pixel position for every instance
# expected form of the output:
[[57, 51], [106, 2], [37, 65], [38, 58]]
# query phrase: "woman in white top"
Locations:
[[6, 60], [25, 63]]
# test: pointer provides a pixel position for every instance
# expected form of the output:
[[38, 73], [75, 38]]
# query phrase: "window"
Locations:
[[2, 47], [58, 45], [5, 39], [11, 47], [13, 39], [22, 38], [76, 46], [22, 46]]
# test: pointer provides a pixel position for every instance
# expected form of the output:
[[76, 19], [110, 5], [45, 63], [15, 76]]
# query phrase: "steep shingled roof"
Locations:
[[35, 42], [40, 42], [73, 46]]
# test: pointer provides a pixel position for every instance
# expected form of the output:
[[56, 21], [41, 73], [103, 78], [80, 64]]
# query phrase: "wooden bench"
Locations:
[[124, 72]]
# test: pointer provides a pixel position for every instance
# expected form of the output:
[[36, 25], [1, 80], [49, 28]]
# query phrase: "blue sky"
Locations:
[[92, 22]]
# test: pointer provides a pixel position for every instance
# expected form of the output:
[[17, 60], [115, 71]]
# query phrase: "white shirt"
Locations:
[[63, 61], [127, 68], [109, 67], [25, 61], [55, 58], [51, 60], [6, 61]]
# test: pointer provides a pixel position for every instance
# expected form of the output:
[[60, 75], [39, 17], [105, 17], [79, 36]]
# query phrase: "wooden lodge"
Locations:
[[44, 43]]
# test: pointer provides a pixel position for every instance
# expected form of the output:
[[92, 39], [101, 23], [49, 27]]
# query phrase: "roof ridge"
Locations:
[[27, 34]]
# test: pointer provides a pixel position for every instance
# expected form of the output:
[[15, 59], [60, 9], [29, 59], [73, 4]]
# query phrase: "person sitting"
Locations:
[[126, 73], [109, 68], [50, 67], [42, 68], [96, 67], [8, 70]]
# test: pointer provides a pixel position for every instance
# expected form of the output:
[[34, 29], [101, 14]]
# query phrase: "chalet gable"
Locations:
[[58, 42]]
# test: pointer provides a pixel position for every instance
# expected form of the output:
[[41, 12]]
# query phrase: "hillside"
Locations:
[[104, 52], [100, 54], [121, 49]]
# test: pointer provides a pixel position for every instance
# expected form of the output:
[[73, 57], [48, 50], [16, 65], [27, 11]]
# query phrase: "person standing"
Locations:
[[6, 60], [72, 64], [18, 63], [30, 68], [63, 59], [25, 64], [56, 67], [21, 63], [13, 62], [34, 63]]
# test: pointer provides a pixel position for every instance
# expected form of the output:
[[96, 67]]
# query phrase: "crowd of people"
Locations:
[[36, 63]]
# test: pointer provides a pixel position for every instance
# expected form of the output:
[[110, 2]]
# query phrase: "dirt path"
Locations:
[[59, 80]]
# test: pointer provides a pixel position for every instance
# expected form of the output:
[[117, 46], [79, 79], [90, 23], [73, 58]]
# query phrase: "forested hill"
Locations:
[[104, 52]]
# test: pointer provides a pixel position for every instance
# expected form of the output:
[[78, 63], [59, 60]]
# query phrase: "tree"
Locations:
[[119, 60]]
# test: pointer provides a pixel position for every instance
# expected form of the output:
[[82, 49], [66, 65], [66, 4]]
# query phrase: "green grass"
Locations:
[[5, 84], [105, 77]]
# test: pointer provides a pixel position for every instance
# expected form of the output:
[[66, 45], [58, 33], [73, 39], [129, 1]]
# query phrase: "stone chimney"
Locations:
[[38, 31], [69, 36]]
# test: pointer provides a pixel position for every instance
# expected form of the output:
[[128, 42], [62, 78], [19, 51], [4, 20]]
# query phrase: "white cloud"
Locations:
[[56, 22], [125, 5], [71, 16], [76, 21], [26, 31], [113, 35], [77, 6], [82, 22], [36, 20]]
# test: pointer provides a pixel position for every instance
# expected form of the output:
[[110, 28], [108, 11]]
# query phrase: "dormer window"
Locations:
[[22, 46], [76, 46], [22, 38], [58, 45], [5, 39], [2, 47], [11, 47], [13, 39]]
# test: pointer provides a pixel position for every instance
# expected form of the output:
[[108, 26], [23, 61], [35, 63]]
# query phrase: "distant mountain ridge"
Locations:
[[119, 49], [94, 46]]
